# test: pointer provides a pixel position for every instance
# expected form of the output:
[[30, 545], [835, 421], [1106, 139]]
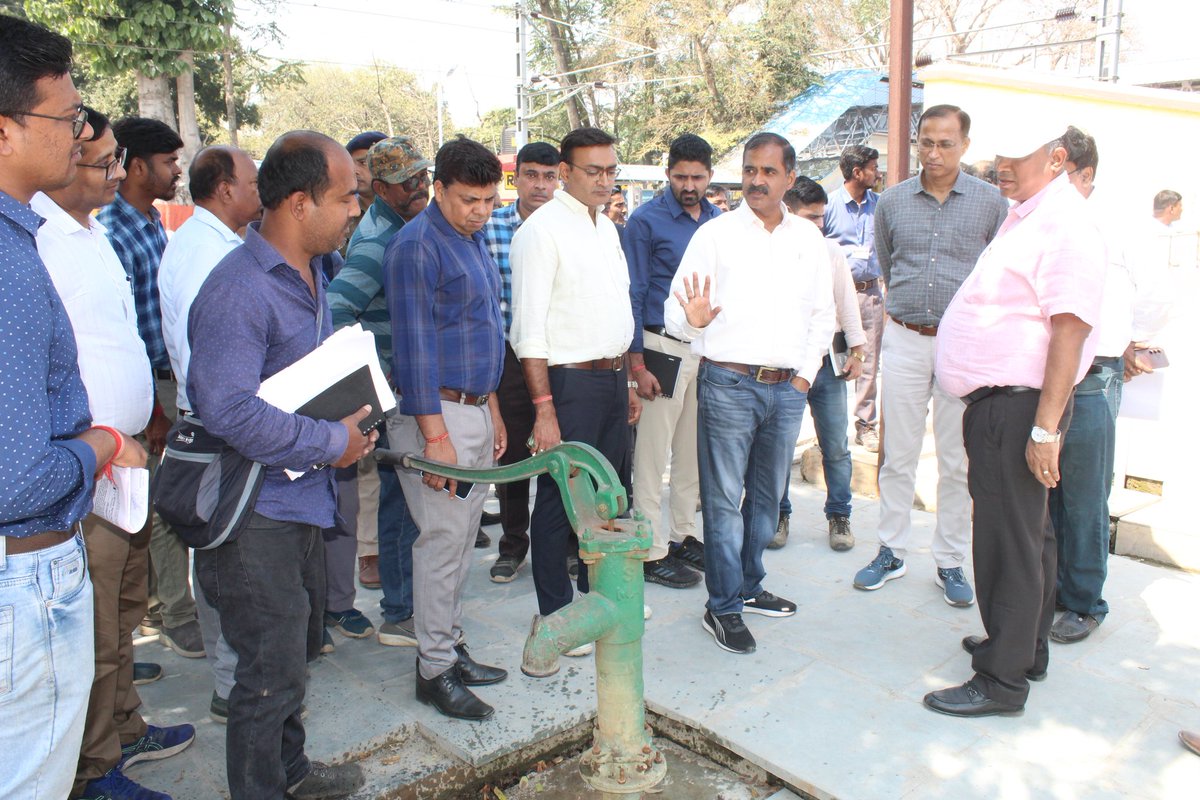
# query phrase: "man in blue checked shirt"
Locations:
[[443, 292], [536, 181]]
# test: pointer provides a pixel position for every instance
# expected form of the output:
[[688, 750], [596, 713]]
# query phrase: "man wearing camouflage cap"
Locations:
[[400, 181]]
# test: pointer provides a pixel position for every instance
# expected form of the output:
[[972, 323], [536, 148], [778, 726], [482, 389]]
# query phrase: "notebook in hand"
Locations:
[[839, 351], [665, 368], [345, 397]]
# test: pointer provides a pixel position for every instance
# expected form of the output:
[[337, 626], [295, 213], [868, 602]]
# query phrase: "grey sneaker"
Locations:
[[326, 781], [884, 568], [840, 536], [398, 634], [782, 528], [955, 588], [504, 570]]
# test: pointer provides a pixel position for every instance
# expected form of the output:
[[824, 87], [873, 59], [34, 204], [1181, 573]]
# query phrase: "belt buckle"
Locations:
[[616, 364], [758, 373], [481, 400]]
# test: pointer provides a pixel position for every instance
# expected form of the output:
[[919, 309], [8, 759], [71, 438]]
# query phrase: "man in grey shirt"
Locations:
[[929, 232]]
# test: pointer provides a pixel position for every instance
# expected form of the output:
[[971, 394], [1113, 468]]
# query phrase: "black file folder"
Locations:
[[345, 397], [665, 368]]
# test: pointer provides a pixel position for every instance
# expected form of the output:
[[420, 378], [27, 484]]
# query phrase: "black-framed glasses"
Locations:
[[78, 120], [612, 173], [110, 167], [415, 182]]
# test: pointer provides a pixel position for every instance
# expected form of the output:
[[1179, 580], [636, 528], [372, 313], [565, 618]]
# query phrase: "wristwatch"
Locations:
[[1043, 436], [631, 384], [860, 355]]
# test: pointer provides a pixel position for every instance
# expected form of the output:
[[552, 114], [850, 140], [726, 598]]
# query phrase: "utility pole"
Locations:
[[230, 100], [1108, 40], [522, 137], [900, 67]]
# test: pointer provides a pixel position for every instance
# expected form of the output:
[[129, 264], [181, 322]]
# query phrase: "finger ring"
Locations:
[[1045, 472]]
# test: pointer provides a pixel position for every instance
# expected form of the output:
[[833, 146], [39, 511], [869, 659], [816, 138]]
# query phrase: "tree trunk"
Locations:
[[154, 99], [189, 128], [230, 100], [562, 60], [710, 79]]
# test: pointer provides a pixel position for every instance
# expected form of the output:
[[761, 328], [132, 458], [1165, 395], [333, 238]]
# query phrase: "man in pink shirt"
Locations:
[[1013, 343]]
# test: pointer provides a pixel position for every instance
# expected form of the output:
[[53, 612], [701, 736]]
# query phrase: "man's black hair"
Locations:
[[857, 157], [1081, 149], [690, 147], [296, 162], [583, 137], [99, 122], [715, 189], [143, 137], [28, 53], [765, 138], [805, 192], [211, 167], [538, 153], [617, 190], [463, 160], [947, 110]]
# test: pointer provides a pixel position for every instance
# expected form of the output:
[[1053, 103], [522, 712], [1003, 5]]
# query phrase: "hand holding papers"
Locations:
[[123, 500]]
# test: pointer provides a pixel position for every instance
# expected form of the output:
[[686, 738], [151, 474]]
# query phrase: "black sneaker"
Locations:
[[691, 552], [670, 572], [573, 567], [482, 540], [185, 640], [144, 673], [504, 570], [768, 605], [729, 632], [489, 518], [326, 781]]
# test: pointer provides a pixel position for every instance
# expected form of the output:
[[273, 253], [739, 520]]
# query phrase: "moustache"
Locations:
[[754, 190]]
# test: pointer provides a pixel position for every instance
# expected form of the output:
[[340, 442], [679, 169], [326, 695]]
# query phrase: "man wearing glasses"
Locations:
[[52, 451], [400, 185], [572, 326], [116, 373]]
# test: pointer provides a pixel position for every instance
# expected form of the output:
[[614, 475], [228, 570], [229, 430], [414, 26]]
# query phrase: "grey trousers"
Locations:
[[443, 550], [170, 591], [870, 307], [341, 544]]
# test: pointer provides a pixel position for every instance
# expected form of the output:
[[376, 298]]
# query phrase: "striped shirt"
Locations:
[[443, 293], [140, 243], [357, 294], [498, 235], [927, 249]]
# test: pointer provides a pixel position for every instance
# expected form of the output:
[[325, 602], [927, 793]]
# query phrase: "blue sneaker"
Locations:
[[115, 786], [350, 623], [884, 568], [157, 743], [955, 587]]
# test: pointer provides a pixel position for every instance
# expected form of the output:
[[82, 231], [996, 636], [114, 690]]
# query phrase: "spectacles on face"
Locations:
[[415, 182], [612, 173], [78, 120], [926, 145], [110, 167]]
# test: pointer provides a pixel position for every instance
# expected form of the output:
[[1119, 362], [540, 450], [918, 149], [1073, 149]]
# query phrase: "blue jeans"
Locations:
[[827, 404], [47, 662], [746, 434], [397, 532], [1079, 505]]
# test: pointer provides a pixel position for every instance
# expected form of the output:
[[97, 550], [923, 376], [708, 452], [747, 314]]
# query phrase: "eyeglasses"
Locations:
[[78, 120], [612, 173], [415, 182], [925, 145], [110, 167]]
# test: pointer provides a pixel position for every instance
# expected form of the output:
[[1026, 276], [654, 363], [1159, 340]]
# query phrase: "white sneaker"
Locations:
[[647, 612], [583, 650]]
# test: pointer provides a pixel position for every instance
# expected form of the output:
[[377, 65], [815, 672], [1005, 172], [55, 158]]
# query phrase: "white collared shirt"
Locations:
[[197, 247], [99, 301], [570, 285], [775, 290], [845, 297]]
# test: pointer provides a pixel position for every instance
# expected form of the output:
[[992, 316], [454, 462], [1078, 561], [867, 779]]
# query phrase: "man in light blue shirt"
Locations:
[[850, 221]]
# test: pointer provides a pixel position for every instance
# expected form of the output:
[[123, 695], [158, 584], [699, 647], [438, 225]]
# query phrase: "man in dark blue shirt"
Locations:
[[443, 291], [655, 238], [51, 452], [262, 309]]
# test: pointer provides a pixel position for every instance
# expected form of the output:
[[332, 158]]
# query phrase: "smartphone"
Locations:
[[463, 490], [1156, 357]]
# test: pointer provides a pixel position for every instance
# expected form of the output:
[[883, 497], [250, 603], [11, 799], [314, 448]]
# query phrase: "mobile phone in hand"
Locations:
[[1156, 357]]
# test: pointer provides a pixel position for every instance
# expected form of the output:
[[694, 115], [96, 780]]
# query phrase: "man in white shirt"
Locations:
[[754, 296], [224, 186], [116, 373], [572, 325]]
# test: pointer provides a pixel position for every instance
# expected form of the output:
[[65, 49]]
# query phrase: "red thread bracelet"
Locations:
[[639, 368], [113, 432], [545, 398], [443, 436]]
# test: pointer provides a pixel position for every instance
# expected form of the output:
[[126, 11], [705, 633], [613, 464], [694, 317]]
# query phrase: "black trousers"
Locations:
[[592, 407], [268, 587], [517, 412], [1014, 550]]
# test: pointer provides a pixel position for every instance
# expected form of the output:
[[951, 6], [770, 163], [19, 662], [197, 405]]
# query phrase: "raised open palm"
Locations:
[[697, 306]]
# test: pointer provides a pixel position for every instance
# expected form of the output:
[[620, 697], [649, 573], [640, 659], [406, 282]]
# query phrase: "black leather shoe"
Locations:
[[1072, 627], [489, 518], [482, 540], [967, 701], [473, 673], [670, 572], [971, 642], [448, 695]]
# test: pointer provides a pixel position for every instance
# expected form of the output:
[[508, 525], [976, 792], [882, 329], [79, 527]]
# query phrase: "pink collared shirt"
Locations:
[[1047, 259]]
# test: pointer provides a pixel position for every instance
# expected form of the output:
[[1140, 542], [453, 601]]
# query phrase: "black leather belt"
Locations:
[[462, 398], [164, 374], [17, 545], [768, 375], [862, 286], [661, 331], [988, 391]]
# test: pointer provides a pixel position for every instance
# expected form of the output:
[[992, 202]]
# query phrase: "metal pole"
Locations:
[[900, 67], [522, 137]]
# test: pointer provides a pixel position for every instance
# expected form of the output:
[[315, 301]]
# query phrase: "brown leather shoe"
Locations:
[[1190, 740], [368, 571]]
